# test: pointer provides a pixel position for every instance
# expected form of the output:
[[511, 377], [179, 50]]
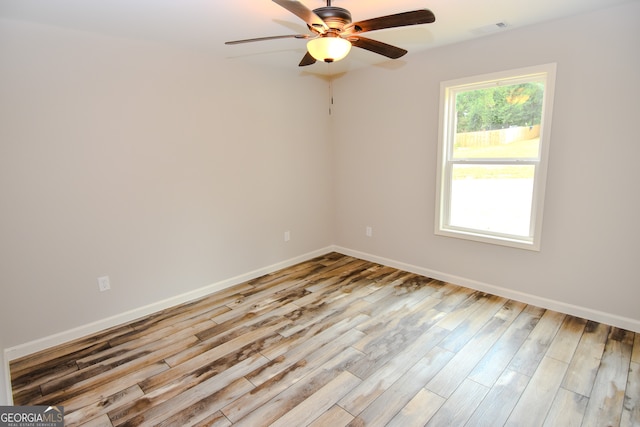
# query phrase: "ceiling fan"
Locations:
[[333, 32]]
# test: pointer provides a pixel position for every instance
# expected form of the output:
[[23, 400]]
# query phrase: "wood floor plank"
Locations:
[[494, 363], [26, 388], [463, 311], [635, 356], [611, 381], [374, 385], [278, 375], [128, 349], [322, 306], [397, 395], [390, 317], [209, 363], [534, 348], [288, 399], [232, 336], [586, 360], [566, 341], [142, 335], [465, 360], [322, 400], [65, 352], [567, 409], [192, 394], [500, 401], [279, 292], [223, 369], [537, 398], [459, 407], [160, 349], [325, 345], [203, 308], [100, 408], [338, 273], [336, 341], [88, 392], [334, 417], [631, 408], [30, 372], [211, 402], [451, 296], [387, 342], [217, 419], [488, 306], [405, 291], [334, 325], [418, 411], [101, 421]]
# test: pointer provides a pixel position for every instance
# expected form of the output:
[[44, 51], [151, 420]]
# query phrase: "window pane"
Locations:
[[499, 121], [492, 198]]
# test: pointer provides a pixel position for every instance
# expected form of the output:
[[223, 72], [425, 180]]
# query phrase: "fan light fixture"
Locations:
[[329, 48]]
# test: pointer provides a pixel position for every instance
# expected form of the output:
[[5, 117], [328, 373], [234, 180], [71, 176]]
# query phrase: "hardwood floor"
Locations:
[[339, 341]]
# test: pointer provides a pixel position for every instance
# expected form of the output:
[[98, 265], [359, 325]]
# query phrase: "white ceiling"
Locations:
[[206, 24]]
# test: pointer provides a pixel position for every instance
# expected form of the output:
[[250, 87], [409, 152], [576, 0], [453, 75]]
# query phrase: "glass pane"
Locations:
[[492, 198], [499, 122]]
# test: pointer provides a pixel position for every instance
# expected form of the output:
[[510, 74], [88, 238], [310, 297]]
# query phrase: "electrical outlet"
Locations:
[[103, 283], [369, 231], [287, 236]]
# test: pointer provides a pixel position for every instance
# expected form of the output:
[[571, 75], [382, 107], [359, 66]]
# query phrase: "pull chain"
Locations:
[[330, 88], [330, 95]]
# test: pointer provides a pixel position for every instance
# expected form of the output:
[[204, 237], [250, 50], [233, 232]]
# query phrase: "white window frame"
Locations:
[[446, 138]]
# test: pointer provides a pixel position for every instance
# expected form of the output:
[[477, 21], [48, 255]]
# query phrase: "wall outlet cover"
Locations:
[[103, 283]]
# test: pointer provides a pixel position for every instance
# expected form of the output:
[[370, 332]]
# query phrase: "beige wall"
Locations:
[[169, 170], [386, 164], [166, 170]]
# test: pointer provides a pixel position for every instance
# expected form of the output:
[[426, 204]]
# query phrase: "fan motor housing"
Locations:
[[335, 17]]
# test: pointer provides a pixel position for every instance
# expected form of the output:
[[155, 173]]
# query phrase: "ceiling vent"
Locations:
[[491, 28]]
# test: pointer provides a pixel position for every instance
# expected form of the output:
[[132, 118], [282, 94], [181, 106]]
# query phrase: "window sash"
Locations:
[[544, 74], [448, 188]]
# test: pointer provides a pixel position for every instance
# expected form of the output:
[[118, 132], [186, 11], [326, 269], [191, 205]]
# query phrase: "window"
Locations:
[[492, 156]]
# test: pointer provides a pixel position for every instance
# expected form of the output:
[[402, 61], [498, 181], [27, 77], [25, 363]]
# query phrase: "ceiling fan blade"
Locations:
[[375, 46], [421, 16], [303, 12], [259, 39], [307, 60]]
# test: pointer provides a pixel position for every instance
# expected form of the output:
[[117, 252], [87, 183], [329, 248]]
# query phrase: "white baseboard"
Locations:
[[31, 347], [6, 396], [562, 307]]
